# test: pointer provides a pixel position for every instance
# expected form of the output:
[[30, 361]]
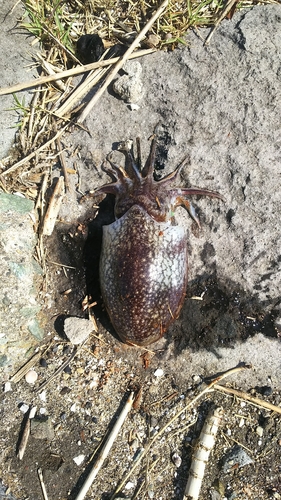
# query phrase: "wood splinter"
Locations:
[[203, 449]]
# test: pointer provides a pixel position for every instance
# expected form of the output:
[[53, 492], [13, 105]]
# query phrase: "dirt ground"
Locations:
[[227, 120]]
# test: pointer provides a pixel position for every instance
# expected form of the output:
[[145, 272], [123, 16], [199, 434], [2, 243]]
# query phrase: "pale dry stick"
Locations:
[[42, 484], [80, 91], [50, 70], [201, 456], [34, 153], [209, 387], [70, 72], [247, 397], [26, 432], [106, 448], [224, 13], [54, 207], [25, 368], [122, 61]]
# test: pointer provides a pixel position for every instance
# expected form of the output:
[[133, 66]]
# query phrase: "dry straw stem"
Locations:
[[34, 153], [247, 397], [224, 13], [42, 484], [207, 389], [25, 368], [106, 448], [200, 458], [70, 72], [122, 61]]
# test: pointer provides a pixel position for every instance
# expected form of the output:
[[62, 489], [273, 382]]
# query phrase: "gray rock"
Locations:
[[130, 87], [21, 326], [236, 456], [42, 428], [77, 329], [14, 68]]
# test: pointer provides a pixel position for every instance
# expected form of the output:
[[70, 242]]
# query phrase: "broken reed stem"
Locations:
[[202, 451], [106, 448], [247, 397], [70, 72], [122, 61], [146, 449]]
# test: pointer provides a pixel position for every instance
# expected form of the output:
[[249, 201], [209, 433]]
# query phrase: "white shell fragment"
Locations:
[[77, 329], [79, 459], [31, 376]]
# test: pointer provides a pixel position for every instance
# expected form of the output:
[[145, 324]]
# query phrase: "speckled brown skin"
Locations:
[[143, 266]]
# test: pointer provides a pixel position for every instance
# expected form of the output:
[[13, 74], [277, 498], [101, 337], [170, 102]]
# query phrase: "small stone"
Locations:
[[42, 396], [236, 456], [176, 459], [77, 330], [31, 376], [7, 386], [41, 428], [24, 408], [159, 372], [79, 459], [259, 431], [129, 485]]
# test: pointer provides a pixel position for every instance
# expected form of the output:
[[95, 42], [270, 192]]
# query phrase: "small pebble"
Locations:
[[79, 459], [42, 396], [159, 372], [24, 408], [129, 485], [7, 387], [73, 408], [63, 416], [259, 431], [31, 376], [176, 459], [77, 329]]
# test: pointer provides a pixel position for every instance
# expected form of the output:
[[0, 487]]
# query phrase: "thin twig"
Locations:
[[122, 61], [248, 397], [42, 484], [60, 369], [224, 13], [106, 448], [70, 72], [209, 387], [26, 432]]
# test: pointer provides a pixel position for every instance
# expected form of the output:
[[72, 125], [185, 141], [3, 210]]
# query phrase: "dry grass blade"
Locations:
[[247, 397]]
